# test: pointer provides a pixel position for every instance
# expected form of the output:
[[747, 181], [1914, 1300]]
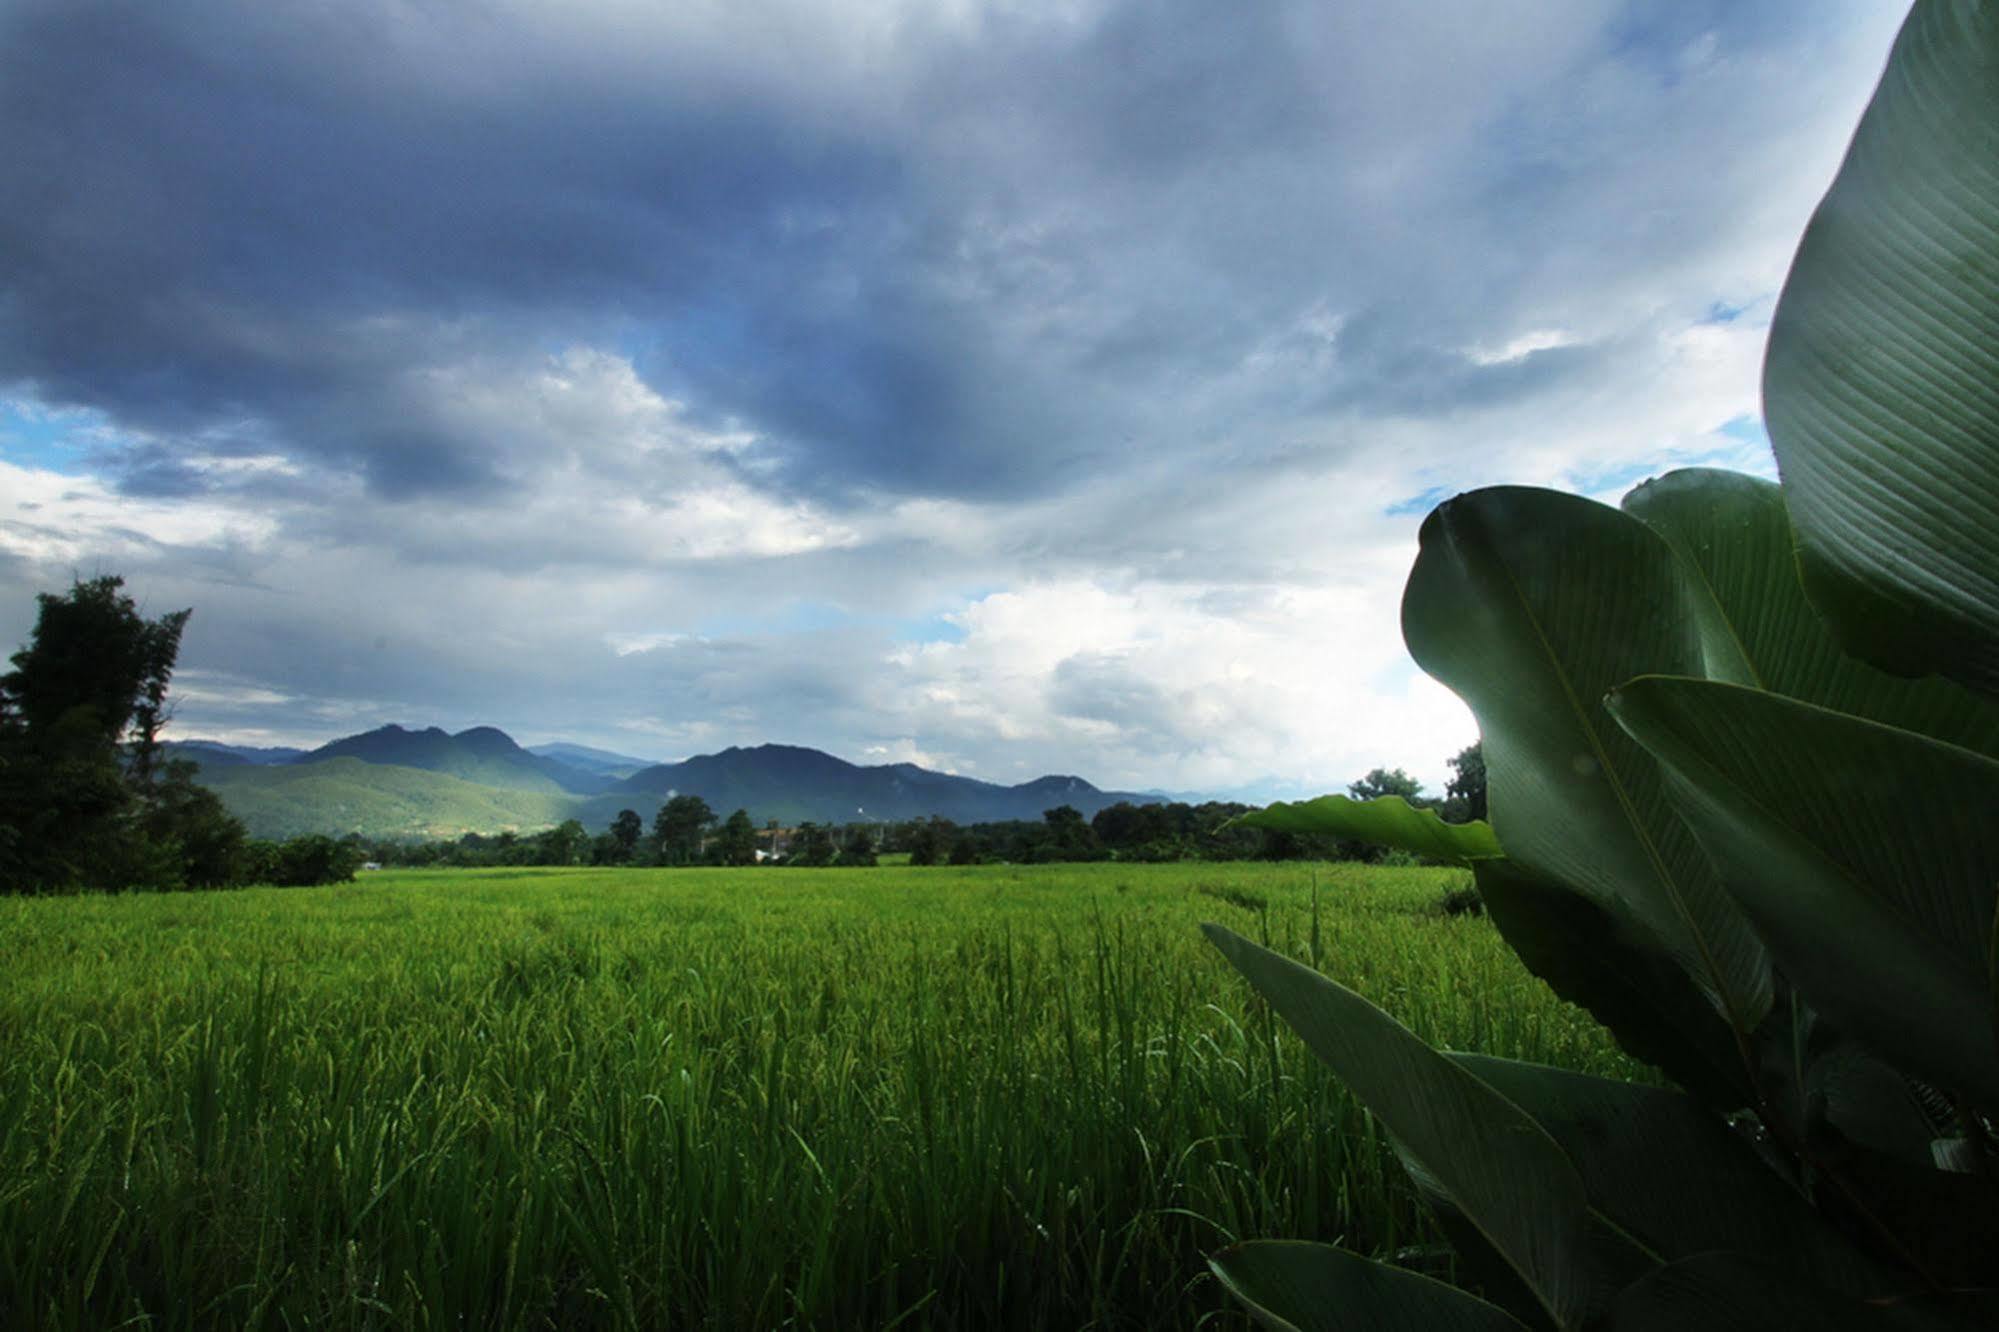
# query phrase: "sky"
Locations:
[[1011, 388]]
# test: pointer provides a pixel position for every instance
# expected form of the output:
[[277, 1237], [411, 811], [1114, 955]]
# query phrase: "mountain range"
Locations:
[[398, 783]]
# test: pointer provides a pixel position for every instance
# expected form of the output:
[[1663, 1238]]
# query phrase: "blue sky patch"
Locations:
[[1418, 504], [32, 436], [929, 629], [1747, 429], [1618, 477]]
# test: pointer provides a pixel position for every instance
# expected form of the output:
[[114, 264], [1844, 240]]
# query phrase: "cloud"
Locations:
[[641, 373], [1219, 686], [52, 519]]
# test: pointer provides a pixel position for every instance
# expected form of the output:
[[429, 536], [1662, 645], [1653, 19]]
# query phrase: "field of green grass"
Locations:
[[992, 1097]]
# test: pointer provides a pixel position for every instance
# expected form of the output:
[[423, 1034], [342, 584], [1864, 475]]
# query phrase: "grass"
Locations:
[[993, 1097]]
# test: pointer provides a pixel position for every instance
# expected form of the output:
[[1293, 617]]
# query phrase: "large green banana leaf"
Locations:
[[1531, 605], [1867, 855], [1494, 1163], [1732, 1292], [1759, 629], [1603, 962], [1386, 821], [1881, 383], [1294, 1285], [1673, 1178]]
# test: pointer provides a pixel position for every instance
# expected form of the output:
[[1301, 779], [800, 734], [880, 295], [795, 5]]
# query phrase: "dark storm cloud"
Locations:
[[153, 471], [207, 215], [983, 281]]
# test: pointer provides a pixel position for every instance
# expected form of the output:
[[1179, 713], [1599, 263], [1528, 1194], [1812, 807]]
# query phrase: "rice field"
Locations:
[[983, 1097]]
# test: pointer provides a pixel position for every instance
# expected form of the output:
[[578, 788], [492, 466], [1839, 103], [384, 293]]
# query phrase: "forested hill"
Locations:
[[400, 783], [790, 783], [483, 754]]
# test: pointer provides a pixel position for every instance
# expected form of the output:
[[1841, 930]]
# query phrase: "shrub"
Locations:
[[305, 862], [1462, 900], [1729, 819]]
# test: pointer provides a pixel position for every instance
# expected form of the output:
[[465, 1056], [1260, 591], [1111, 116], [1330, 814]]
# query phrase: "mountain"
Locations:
[[483, 754], [587, 759], [791, 784], [344, 794], [399, 783], [214, 752]]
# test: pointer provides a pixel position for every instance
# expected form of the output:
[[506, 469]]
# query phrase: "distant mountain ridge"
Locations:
[[590, 759], [215, 752], [791, 783], [397, 782]]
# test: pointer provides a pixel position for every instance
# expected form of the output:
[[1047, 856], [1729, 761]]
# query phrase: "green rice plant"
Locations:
[[983, 1097], [1728, 820]]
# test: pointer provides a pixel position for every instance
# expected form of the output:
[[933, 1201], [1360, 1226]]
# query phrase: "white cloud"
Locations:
[[1521, 347], [53, 520], [1179, 685], [903, 749], [626, 645], [213, 689]]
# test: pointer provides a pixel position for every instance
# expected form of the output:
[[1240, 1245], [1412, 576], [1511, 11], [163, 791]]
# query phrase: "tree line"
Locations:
[[685, 831]]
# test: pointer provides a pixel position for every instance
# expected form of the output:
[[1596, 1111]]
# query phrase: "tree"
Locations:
[[85, 800], [1124, 824], [1068, 837], [93, 651], [1466, 788], [929, 841], [678, 827], [563, 844], [626, 830], [812, 846], [1386, 782], [737, 844], [858, 850], [307, 862], [194, 831]]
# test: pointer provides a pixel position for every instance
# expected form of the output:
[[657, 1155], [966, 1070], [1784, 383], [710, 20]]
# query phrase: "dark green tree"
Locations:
[[811, 846], [306, 862], [737, 842], [930, 841], [1466, 789], [1387, 782], [858, 847], [85, 797], [678, 829], [626, 830], [564, 844], [1067, 836], [191, 830], [1123, 824]]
